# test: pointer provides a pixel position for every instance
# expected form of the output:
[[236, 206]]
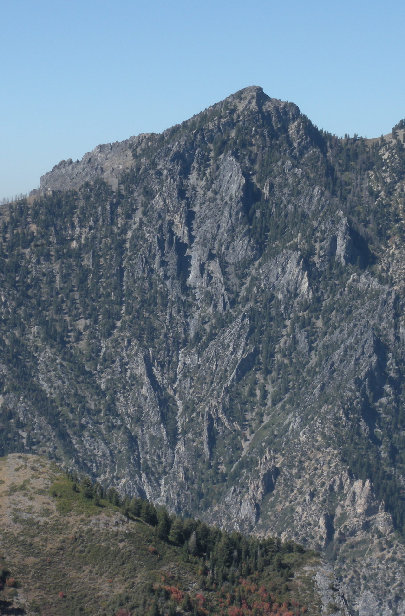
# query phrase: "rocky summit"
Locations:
[[213, 318]]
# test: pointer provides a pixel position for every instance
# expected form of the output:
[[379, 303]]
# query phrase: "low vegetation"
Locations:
[[78, 549], [192, 568]]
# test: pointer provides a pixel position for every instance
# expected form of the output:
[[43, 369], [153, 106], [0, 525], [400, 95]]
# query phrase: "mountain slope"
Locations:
[[220, 327], [85, 557]]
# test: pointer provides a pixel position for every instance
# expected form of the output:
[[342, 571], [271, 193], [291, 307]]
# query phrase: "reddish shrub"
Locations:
[[235, 611], [200, 598], [61, 594], [175, 593], [10, 582]]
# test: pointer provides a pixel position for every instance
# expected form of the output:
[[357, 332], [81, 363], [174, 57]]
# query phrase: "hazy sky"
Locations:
[[78, 73]]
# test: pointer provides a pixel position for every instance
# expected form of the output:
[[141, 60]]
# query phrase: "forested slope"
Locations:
[[218, 325]]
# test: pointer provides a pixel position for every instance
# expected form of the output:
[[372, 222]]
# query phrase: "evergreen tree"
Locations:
[[163, 525], [176, 532]]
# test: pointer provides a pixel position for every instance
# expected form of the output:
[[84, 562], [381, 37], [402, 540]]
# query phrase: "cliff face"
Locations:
[[213, 317], [107, 161]]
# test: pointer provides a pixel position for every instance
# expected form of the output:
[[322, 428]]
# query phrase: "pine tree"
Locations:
[[163, 526], [176, 532]]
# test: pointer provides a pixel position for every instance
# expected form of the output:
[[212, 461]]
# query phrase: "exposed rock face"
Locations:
[[220, 327], [107, 161]]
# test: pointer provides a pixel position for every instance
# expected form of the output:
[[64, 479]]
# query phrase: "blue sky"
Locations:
[[76, 74]]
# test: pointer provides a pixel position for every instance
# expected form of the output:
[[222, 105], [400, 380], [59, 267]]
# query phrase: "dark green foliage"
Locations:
[[365, 462], [113, 497], [87, 489], [135, 507], [400, 125], [176, 534], [216, 558], [148, 513], [113, 358], [163, 525]]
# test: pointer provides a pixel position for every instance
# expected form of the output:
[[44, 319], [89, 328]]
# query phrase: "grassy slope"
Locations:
[[70, 556]]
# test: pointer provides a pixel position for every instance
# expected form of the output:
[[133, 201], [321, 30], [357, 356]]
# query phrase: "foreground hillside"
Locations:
[[213, 318], [69, 553]]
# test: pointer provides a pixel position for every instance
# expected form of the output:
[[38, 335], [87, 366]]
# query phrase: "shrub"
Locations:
[[11, 582]]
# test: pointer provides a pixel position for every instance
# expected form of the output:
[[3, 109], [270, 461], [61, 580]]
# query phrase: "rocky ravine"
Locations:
[[216, 321]]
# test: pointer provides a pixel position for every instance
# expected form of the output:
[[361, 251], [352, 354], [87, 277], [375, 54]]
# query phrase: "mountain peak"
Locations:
[[222, 334], [110, 160], [248, 92], [248, 97]]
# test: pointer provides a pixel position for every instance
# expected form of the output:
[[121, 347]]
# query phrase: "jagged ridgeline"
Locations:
[[212, 317]]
